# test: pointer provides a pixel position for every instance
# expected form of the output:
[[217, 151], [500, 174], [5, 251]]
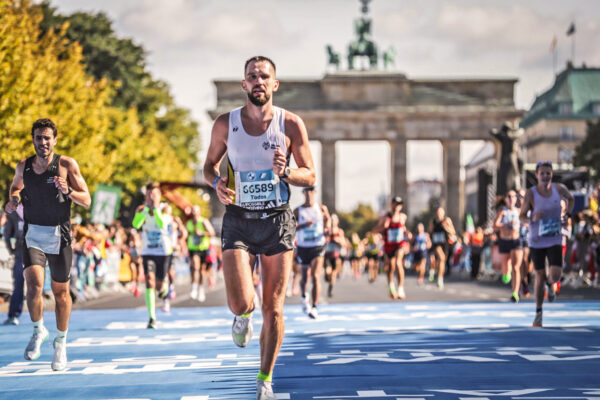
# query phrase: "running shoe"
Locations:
[[537, 322], [313, 313], [11, 321], [306, 305], [151, 324], [194, 292], [401, 293], [514, 298], [330, 290], [59, 362], [550, 292], [264, 390], [136, 292], [164, 290], [557, 286], [431, 275], [201, 294], [32, 351], [440, 282], [241, 331], [506, 278], [166, 306], [420, 281]]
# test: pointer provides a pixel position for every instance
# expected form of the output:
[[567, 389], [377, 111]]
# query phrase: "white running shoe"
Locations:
[[194, 292], [166, 308], [241, 331], [440, 282], [537, 321], [264, 390], [306, 305], [59, 362], [201, 294], [401, 293], [313, 313], [32, 351]]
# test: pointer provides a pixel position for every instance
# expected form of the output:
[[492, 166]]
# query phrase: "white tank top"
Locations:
[[310, 236], [155, 241], [251, 163]]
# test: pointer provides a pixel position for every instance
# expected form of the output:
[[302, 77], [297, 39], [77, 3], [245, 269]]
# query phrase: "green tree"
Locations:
[[360, 220], [587, 153]]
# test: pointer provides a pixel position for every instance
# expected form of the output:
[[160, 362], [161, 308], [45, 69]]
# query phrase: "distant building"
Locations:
[[480, 174], [556, 122], [419, 194]]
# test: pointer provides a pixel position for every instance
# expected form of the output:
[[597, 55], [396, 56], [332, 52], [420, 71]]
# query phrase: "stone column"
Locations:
[[451, 193], [399, 185], [328, 174]]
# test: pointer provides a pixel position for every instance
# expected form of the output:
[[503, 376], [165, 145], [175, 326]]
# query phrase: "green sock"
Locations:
[[247, 315], [151, 302], [264, 377]]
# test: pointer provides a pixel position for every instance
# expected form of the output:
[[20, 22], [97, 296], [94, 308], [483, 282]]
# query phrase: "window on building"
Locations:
[[565, 156], [565, 109], [565, 133]]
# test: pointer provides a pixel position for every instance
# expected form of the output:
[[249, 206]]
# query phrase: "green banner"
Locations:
[[105, 204]]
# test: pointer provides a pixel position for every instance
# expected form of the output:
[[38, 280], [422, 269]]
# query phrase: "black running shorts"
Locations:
[[505, 246], [60, 264], [270, 235], [539, 255], [157, 265], [306, 255]]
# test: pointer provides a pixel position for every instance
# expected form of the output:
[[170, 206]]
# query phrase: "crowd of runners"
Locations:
[[266, 248]]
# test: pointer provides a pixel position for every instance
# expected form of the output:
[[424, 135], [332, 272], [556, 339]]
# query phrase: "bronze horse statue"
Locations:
[[363, 46]]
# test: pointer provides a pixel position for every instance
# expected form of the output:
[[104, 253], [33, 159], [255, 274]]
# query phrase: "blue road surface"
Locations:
[[471, 351]]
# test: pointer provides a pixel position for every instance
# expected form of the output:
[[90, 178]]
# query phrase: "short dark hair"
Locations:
[[543, 164], [259, 59], [44, 123], [152, 185]]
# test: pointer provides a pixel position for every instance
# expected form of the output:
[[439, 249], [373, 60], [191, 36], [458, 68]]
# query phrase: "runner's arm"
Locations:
[[210, 231], [496, 224], [526, 207], [565, 194], [73, 183], [16, 187], [140, 217], [216, 152], [305, 174]]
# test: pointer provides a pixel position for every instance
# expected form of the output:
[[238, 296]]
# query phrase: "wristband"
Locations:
[[69, 191], [215, 182], [15, 201]]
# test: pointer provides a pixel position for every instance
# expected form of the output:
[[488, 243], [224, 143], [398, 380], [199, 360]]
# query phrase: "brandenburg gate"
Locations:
[[376, 105]]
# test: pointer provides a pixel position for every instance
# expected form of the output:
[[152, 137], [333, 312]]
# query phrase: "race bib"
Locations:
[[257, 190], [549, 227], [43, 238], [395, 235], [154, 239], [439, 237], [422, 246], [312, 233]]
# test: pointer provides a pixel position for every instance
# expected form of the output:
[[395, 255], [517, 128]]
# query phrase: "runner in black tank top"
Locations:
[[46, 184], [440, 229]]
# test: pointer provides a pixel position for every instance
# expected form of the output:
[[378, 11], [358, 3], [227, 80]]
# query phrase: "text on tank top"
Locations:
[[545, 232], [439, 234], [313, 235], [156, 241], [394, 233], [250, 169], [43, 203]]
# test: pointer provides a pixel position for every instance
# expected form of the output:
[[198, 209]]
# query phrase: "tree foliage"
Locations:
[[42, 74], [587, 153], [360, 220]]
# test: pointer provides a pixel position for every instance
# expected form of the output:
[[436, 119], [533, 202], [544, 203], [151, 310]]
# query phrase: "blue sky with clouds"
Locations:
[[191, 42]]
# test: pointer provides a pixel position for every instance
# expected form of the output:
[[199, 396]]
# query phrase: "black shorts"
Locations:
[[60, 264], [200, 253], [419, 255], [306, 255], [553, 253], [156, 264], [271, 235], [505, 246]]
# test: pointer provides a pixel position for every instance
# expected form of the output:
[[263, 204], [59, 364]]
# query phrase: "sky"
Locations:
[[190, 43]]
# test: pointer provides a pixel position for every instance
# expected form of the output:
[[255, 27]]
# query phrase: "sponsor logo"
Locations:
[[235, 128], [251, 176], [266, 145]]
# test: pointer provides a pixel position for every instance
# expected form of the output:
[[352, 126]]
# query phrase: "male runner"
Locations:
[[312, 225], [259, 139], [200, 230], [545, 239], [333, 252], [396, 239], [156, 247], [46, 184]]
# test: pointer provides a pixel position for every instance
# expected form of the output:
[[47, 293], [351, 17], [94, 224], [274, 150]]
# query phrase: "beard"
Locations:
[[259, 101], [41, 152]]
